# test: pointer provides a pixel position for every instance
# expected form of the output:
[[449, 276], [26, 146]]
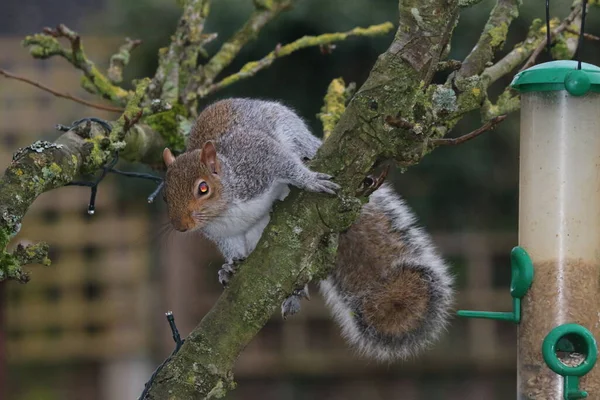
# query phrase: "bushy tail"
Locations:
[[390, 291]]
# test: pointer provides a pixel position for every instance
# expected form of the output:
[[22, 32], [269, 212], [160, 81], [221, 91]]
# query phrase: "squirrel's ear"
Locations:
[[208, 157], [168, 157]]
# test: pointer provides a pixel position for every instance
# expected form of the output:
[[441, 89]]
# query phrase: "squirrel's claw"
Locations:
[[322, 184]]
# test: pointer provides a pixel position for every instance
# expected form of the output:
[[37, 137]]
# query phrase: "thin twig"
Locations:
[[461, 139], [562, 27], [251, 68], [59, 94], [588, 36], [230, 49]]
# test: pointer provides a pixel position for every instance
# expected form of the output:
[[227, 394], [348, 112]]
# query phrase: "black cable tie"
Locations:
[[581, 34]]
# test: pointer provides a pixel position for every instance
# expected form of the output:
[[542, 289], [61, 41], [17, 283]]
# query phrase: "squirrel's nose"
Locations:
[[179, 225]]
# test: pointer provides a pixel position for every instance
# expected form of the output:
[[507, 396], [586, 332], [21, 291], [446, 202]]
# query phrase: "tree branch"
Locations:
[[588, 36], [397, 114], [44, 166], [45, 45], [490, 125], [178, 62], [59, 94], [334, 106], [575, 12], [265, 12], [492, 38], [300, 242], [251, 68], [119, 60], [509, 101]]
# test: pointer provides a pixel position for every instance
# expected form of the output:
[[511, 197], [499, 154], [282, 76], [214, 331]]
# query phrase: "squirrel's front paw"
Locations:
[[322, 183], [228, 270], [291, 305]]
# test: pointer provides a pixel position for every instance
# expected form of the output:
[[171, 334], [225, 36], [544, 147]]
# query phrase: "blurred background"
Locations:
[[92, 325]]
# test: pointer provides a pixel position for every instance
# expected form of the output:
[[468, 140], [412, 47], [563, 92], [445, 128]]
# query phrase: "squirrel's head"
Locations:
[[193, 190]]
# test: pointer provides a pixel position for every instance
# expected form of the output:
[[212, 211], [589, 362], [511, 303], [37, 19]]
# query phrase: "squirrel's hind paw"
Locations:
[[224, 276], [291, 305]]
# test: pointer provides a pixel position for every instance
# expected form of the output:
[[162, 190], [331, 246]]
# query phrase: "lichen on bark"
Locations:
[[396, 115]]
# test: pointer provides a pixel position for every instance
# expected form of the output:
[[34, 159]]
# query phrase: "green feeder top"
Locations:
[[559, 75]]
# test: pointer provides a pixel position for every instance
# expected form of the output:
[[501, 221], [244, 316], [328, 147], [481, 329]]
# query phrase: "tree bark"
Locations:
[[300, 242]]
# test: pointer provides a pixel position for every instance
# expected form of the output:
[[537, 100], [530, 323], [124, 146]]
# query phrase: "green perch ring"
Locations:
[[573, 338]]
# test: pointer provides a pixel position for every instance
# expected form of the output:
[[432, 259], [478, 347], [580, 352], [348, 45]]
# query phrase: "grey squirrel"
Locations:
[[389, 291]]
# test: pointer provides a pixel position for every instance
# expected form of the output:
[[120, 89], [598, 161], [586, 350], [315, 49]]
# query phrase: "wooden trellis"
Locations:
[[92, 303]]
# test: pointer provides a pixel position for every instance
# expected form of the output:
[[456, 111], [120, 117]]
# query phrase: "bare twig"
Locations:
[[464, 138], [59, 94], [588, 36], [251, 68], [131, 122], [575, 12]]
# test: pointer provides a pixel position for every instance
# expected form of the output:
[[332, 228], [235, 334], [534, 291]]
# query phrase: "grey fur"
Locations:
[[420, 254], [262, 153]]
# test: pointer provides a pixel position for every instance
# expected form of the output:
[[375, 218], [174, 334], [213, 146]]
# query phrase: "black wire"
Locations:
[[581, 33], [108, 168], [548, 38], [178, 343]]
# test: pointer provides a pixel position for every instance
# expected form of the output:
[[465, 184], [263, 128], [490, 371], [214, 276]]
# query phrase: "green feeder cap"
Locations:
[[559, 75]]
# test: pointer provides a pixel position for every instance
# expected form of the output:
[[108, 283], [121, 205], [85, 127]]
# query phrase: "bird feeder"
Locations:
[[555, 270], [559, 228]]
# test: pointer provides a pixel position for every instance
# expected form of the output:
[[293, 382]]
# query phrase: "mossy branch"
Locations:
[[119, 60], [178, 62], [265, 12], [45, 45], [44, 166], [334, 105], [492, 38], [300, 242], [565, 46], [251, 68]]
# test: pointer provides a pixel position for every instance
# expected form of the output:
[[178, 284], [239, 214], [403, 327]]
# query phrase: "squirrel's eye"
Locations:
[[202, 188]]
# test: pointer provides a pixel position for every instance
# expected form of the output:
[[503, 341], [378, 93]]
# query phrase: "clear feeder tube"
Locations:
[[559, 226]]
